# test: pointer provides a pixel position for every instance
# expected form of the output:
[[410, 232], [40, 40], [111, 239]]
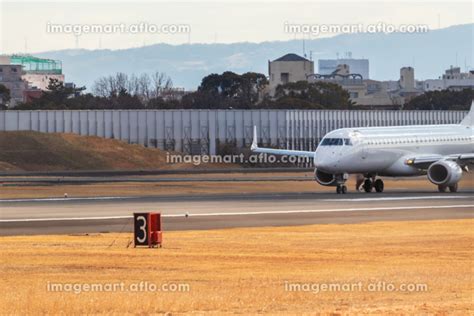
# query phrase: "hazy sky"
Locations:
[[26, 25]]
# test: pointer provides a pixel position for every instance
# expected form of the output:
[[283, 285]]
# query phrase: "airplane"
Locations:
[[442, 152]]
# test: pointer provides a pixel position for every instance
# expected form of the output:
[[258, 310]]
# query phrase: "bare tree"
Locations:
[[133, 85], [101, 88], [161, 83], [121, 82], [144, 86]]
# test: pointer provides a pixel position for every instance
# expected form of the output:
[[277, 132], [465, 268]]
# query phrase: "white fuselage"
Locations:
[[384, 150]]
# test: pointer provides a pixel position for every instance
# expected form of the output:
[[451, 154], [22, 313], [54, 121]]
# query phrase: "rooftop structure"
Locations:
[[358, 66], [35, 65]]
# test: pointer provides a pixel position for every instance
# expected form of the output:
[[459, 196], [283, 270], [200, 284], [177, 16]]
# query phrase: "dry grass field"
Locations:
[[245, 271], [211, 187], [35, 151]]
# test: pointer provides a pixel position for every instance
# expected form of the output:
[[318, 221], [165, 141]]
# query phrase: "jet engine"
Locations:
[[324, 178], [445, 173]]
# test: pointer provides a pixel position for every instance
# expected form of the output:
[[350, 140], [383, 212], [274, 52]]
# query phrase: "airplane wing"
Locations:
[[423, 162], [272, 151]]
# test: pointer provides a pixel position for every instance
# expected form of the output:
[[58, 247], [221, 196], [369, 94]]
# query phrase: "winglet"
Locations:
[[254, 140], [469, 119]]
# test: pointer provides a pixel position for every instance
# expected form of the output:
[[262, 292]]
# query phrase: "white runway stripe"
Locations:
[[244, 213], [105, 198]]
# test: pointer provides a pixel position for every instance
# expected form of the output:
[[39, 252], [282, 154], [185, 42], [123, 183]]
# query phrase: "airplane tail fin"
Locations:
[[469, 119]]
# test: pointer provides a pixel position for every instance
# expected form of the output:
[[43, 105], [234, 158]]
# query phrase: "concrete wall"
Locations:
[[205, 131]]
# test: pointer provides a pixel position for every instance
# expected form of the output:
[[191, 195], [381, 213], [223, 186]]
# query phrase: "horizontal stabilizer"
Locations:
[[272, 151]]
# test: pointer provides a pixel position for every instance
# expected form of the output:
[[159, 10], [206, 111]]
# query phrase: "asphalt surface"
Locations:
[[114, 214], [85, 180], [113, 173]]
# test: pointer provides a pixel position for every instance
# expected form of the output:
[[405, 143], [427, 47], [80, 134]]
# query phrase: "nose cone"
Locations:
[[326, 163]]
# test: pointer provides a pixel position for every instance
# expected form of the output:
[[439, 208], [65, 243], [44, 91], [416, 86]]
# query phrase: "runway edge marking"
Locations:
[[106, 198], [242, 213]]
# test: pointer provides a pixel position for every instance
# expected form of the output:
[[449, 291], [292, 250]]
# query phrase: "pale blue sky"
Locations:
[[24, 24]]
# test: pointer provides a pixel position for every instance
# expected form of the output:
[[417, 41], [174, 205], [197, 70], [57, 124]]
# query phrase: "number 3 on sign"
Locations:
[[142, 228], [141, 231]]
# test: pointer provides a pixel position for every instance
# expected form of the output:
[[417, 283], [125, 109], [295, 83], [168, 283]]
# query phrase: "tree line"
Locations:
[[442, 100], [216, 91]]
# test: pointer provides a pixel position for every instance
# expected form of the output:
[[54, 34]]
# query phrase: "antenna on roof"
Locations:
[[304, 48]]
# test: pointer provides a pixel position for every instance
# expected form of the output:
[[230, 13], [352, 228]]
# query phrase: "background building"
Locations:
[[357, 66], [453, 79], [11, 78], [371, 93], [27, 76], [38, 71], [288, 68], [407, 78]]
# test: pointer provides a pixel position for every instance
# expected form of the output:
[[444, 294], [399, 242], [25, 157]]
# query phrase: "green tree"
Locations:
[[57, 96], [442, 100], [228, 90], [317, 95], [4, 97]]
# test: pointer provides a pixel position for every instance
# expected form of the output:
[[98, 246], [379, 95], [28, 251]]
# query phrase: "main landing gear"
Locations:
[[452, 188], [372, 183]]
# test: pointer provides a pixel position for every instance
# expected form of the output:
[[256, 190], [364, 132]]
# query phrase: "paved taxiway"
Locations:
[[112, 214]]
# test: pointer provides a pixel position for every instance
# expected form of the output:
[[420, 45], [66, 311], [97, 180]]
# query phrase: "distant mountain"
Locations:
[[429, 53]]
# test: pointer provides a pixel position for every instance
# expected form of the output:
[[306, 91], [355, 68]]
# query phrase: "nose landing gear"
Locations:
[[341, 180], [341, 189]]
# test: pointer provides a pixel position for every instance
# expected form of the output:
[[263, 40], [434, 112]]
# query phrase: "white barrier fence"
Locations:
[[205, 131]]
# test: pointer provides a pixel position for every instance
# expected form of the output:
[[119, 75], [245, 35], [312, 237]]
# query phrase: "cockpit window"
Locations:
[[336, 142]]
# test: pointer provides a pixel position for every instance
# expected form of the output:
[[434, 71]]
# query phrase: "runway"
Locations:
[[86, 180], [114, 214]]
